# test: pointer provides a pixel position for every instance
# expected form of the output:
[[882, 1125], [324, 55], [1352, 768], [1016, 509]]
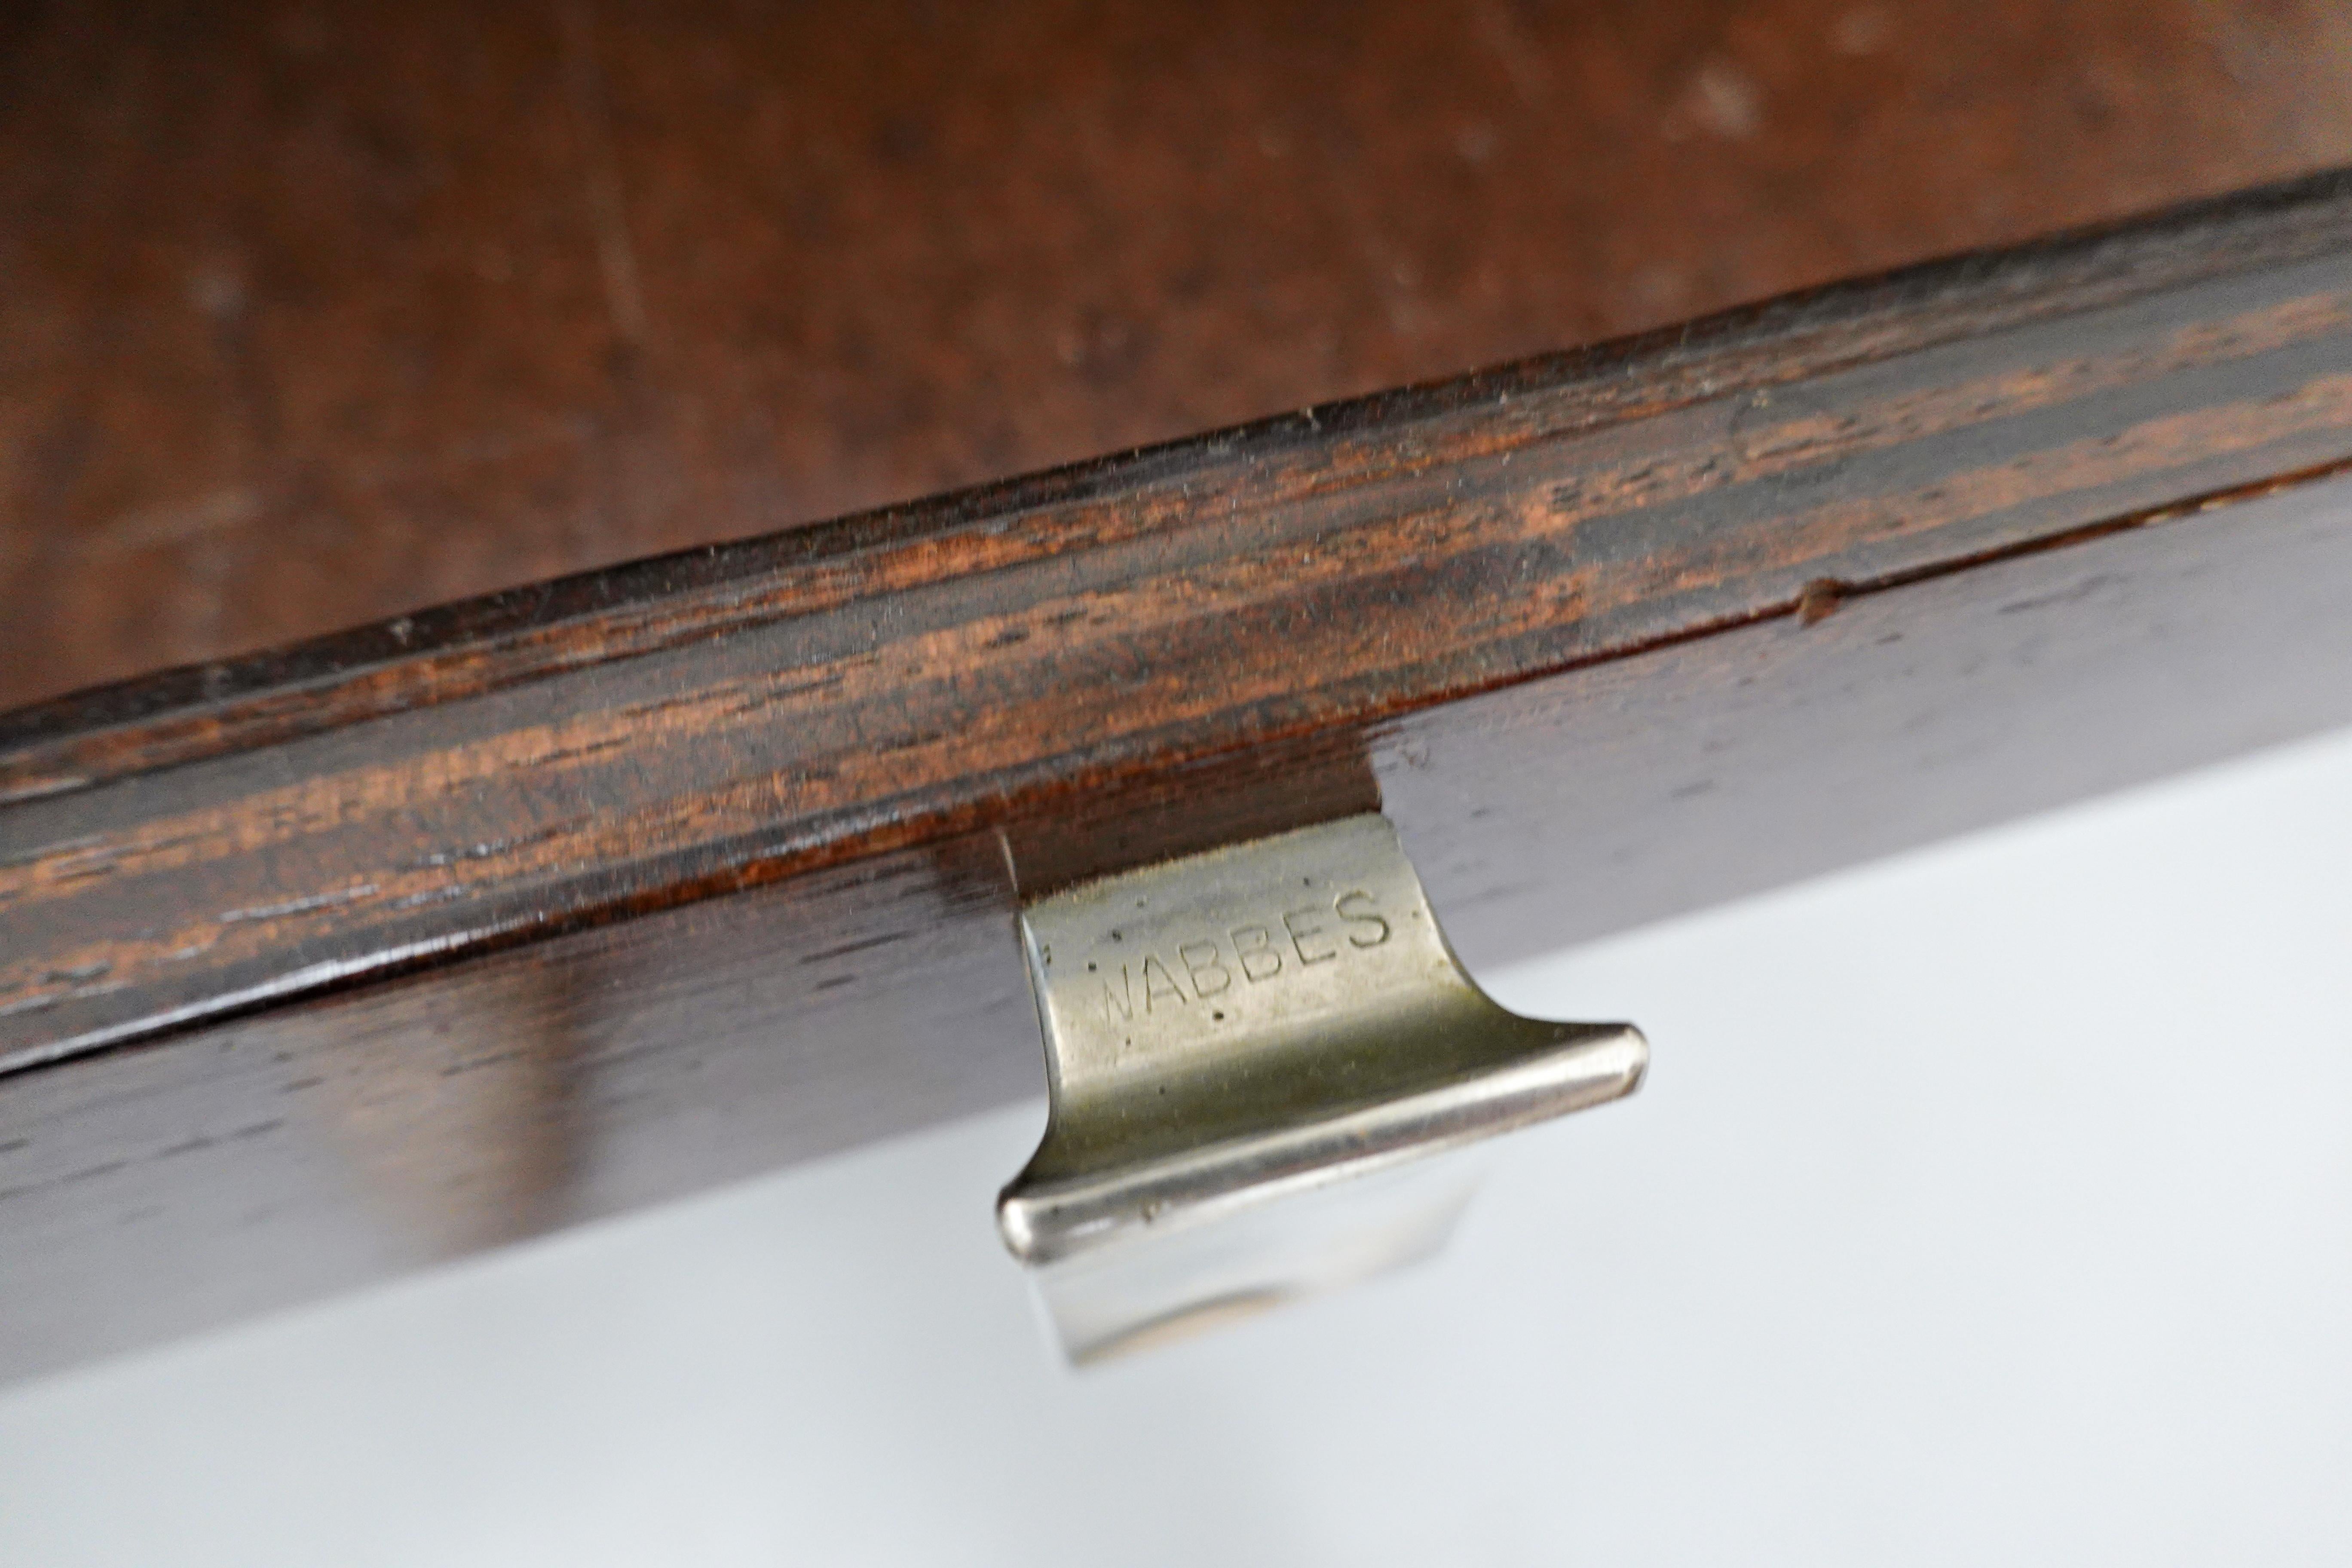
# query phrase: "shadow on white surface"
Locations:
[[1994, 1203]]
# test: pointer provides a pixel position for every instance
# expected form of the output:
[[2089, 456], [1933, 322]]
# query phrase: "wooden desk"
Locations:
[[323, 964]]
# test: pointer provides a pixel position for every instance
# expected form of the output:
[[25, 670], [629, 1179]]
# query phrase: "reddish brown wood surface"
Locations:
[[210, 841], [160, 1188], [317, 313]]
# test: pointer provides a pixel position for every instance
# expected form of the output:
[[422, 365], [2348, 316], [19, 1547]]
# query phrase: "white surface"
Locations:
[[1994, 1205]]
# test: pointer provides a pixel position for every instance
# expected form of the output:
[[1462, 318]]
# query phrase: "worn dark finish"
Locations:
[[320, 310], [213, 839], [156, 1189], [1612, 636]]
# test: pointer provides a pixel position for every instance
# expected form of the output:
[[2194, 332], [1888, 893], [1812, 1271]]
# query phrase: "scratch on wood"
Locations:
[[299, 906], [599, 172]]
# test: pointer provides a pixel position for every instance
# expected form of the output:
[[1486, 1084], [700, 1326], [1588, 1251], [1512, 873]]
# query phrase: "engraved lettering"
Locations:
[[1121, 1000], [1299, 938], [1365, 913], [1208, 975], [1157, 982], [1255, 951]]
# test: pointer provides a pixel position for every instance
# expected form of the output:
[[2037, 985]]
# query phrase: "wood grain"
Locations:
[[215, 840], [325, 1144], [408, 941], [321, 313]]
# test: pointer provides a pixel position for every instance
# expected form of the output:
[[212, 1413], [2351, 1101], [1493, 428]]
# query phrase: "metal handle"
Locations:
[[1252, 1054]]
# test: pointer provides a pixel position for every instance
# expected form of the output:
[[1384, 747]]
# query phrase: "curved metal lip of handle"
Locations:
[[1236, 1027]]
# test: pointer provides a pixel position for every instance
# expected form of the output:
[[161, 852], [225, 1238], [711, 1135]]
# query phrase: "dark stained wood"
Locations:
[[222, 838], [319, 313], [320, 1147], [152, 1190], [1565, 810]]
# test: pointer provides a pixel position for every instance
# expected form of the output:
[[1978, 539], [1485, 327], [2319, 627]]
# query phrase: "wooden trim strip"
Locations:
[[208, 840]]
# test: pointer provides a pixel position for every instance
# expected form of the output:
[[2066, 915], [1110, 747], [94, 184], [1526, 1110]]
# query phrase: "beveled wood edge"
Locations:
[[2251, 292], [485, 1102], [469, 647]]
